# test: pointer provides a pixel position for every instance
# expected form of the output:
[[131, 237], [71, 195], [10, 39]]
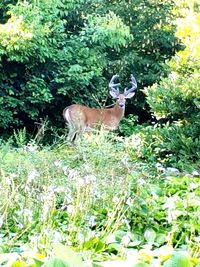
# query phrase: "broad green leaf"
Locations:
[[141, 265], [150, 235], [56, 262], [178, 260], [67, 254]]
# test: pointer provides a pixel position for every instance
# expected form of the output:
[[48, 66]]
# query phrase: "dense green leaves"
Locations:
[[53, 53], [176, 99]]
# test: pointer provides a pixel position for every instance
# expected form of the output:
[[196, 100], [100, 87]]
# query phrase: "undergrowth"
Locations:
[[99, 201]]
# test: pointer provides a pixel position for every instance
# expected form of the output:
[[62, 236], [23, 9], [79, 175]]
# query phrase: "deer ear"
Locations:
[[114, 94], [129, 95]]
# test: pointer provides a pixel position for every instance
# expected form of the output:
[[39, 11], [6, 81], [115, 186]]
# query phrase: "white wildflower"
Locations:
[[96, 193], [193, 185], [115, 200], [73, 174], [171, 208], [160, 167], [81, 206], [80, 182], [8, 181], [57, 237], [197, 239], [195, 173], [127, 223], [1, 221], [13, 175], [70, 209], [31, 148], [126, 239], [65, 170], [87, 167], [59, 189], [136, 141], [90, 179], [32, 175], [92, 221], [28, 212], [46, 209], [142, 181], [68, 242], [58, 163], [110, 239], [129, 202], [80, 237]]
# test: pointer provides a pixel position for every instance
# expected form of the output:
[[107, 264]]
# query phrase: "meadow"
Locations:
[[95, 203]]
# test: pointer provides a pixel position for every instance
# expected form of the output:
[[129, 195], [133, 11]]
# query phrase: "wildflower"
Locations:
[[92, 221], [28, 213], [136, 141], [80, 182], [80, 237], [65, 170], [8, 181], [160, 167], [70, 209], [96, 193], [13, 175], [87, 167], [142, 181], [57, 237], [127, 223], [73, 173], [126, 239], [90, 179], [31, 148], [129, 202], [110, 239], [32, 175], [1, 221], [57, 163], [115, 200]]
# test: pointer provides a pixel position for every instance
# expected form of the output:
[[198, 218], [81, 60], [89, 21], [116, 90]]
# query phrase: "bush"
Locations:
[[170, 144], [176, 99]]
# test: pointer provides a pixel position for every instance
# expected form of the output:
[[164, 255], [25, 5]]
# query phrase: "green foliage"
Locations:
[[105, 207], [127, 125], [108, 31], [171, 144], [51, 49], [178, 260], [176, 99]]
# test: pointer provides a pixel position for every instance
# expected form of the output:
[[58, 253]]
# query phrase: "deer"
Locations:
[[81, 118]]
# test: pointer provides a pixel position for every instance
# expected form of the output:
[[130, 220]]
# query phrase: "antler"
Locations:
[[134, 86], [114, 86]]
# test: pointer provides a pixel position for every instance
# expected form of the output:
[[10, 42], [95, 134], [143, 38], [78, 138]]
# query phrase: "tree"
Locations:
[[176, 99], [54, 52]]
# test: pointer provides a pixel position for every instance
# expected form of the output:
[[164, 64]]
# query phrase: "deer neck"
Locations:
[[118, 111]]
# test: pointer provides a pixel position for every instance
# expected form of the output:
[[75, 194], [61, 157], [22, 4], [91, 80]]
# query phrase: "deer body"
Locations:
[[81, 118]]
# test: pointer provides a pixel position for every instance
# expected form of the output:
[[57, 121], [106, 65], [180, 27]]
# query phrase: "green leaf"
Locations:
[[141, 265], [150, 235], [67, 254], [56, 262], [38, 263], [178, 260]]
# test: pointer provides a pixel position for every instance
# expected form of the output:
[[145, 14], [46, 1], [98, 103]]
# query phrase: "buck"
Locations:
[[81, 118]]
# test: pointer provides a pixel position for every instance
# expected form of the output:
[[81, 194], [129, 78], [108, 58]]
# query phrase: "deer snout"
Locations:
[[121, 103]]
